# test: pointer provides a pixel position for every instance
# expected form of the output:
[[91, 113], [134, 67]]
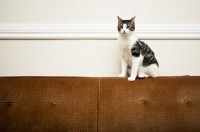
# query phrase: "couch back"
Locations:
[[99, 104]]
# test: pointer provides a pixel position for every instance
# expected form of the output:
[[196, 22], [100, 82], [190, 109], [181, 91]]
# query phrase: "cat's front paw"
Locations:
[[131, 79], [122, 75]]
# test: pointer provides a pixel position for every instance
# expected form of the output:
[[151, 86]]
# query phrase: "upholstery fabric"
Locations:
[[48, 104], [163, 104], [108, 104]]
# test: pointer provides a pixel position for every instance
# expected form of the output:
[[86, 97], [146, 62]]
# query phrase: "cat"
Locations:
[[137, 58]]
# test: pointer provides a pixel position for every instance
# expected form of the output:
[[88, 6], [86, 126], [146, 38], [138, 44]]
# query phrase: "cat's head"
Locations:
[[126, 27]]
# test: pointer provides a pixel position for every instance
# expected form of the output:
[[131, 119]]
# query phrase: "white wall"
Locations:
[[90, 57], [94, 57], [99, 11]]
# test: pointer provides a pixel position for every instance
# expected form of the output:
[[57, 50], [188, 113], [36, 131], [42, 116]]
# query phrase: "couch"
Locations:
[[103, 104]]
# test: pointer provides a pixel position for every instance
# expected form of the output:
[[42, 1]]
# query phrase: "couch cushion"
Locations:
[[99, 104], [152, 104], [48, 104]]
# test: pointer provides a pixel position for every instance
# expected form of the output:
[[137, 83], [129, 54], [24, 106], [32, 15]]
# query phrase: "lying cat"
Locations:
[[137, 58]]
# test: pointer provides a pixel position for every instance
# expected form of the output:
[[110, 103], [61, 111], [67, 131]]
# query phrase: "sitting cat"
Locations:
[[137, 58]]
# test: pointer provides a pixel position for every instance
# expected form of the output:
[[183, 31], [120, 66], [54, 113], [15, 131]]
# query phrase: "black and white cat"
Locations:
[[137, 58]]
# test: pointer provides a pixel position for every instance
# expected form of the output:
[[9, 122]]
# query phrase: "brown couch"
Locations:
[[51, 104]]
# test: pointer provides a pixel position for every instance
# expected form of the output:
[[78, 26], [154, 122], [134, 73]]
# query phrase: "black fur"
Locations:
[[135, 50], [145, 50], [148, 60]]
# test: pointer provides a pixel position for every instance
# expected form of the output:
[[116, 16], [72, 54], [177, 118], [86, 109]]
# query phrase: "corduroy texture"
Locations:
[[51, 104]]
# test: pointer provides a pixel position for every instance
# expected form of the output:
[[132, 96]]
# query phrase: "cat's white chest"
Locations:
[[125, 45]]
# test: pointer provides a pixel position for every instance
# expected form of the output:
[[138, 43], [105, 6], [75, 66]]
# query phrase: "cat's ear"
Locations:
[[133, 20], [119, 19]]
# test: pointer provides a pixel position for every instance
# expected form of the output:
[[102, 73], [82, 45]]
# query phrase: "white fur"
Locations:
[[144, 72], [126, 40]]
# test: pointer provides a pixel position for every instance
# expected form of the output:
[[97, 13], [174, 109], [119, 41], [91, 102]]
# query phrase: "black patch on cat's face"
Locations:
[[130, 24]]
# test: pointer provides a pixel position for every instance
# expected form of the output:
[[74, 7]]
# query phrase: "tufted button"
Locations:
[[186, 101], [54, 102], [144, 101]]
